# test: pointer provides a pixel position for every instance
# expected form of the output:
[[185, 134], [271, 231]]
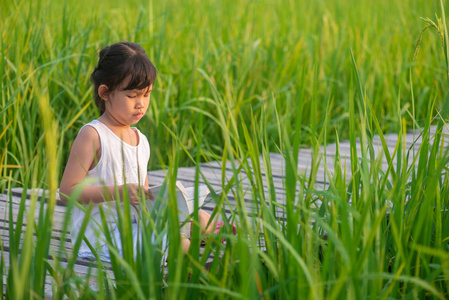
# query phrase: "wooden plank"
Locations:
[[81, 270], [36, 192]]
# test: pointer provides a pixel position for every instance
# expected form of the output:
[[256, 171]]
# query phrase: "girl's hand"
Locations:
[[134, 192]]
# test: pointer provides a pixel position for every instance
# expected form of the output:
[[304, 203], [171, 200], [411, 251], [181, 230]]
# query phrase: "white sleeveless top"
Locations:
[[119, 163]]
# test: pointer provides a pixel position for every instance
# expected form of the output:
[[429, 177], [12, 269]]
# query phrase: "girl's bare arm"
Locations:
[[81, 160]]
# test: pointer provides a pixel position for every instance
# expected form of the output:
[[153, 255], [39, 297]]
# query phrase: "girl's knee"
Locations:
[[185, 243], [207, 226]]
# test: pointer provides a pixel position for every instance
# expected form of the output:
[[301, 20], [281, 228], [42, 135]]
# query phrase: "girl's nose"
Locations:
[[139, 102]]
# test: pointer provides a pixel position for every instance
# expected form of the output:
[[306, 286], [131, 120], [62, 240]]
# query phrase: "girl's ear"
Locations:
[[103, 92]]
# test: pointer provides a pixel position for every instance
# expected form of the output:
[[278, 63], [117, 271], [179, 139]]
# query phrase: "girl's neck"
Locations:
[[112, 122], [123, 131]]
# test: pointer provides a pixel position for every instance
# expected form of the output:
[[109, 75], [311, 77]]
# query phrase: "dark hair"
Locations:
[[117, 62]]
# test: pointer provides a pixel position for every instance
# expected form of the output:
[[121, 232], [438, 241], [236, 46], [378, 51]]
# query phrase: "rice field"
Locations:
[[236, 81]]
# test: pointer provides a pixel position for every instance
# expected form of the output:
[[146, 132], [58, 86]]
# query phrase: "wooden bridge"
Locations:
[[212, 172]]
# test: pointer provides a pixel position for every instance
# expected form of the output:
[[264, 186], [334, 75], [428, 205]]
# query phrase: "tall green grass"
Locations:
[[241, 81], [292, 50]]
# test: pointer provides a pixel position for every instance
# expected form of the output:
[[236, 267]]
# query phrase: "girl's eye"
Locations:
[[131, 96]]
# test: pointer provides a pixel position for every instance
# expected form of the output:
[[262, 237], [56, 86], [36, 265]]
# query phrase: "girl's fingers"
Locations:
[[149, 193], [133, 192], [134, 201]]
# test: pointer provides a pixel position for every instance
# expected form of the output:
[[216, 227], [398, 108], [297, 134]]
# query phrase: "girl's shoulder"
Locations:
[[88, 131], [92, 125], [88, 134]]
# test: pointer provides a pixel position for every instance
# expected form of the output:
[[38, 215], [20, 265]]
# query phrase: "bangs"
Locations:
[[141, 72]]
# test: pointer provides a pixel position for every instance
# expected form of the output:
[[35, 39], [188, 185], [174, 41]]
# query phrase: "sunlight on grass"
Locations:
[[367, 219]]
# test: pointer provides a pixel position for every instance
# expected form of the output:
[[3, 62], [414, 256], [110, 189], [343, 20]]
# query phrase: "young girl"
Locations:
[[111, 153]]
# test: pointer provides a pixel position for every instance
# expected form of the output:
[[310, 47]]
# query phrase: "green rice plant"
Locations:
[[264, 50], [26, 256], [244, 80]]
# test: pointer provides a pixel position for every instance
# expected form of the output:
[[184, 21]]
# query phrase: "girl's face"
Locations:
[[127, 107]]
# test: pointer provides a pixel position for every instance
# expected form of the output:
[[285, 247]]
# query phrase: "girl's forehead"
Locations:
[[125, 83], [144, 90]]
